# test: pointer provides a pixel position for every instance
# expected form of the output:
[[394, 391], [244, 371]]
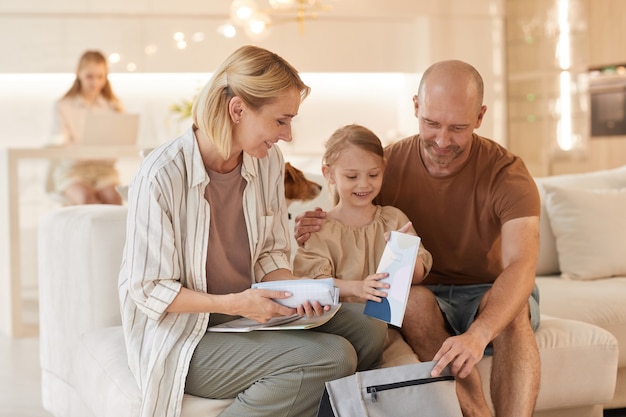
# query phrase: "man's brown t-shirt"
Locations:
[[459, 217]]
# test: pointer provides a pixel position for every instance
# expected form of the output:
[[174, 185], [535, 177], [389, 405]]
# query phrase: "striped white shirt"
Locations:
[[166, 248]]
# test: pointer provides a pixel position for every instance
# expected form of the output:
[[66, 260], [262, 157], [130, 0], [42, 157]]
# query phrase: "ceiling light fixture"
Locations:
[[256, 21]]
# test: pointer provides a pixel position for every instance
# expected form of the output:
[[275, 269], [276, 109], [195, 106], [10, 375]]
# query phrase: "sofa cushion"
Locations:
[[548, 262], [104, 382], [589, 227], [578, 363], [599, 302]]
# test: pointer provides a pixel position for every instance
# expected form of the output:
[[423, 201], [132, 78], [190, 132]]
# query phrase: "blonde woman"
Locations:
[[85, 181], [207, 218]]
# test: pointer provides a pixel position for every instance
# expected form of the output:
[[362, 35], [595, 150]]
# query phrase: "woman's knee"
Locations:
[[109, 195], [366, 334], [332, 353]]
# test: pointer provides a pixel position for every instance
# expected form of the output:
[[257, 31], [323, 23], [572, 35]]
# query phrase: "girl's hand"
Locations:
[[369, 288], [258, 305], [312, 309]]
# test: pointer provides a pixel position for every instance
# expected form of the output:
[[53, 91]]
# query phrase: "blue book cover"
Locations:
[[398, 259]]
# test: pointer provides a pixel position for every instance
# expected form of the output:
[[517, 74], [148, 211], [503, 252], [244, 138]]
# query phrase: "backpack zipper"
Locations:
[[374, 389]]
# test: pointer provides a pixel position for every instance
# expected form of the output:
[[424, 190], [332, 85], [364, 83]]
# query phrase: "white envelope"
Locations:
[[322, 290]]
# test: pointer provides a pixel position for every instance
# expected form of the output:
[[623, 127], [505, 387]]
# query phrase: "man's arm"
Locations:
[[510, 292], [505, 300]]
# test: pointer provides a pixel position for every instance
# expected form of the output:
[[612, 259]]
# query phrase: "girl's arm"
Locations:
[[367, 289]]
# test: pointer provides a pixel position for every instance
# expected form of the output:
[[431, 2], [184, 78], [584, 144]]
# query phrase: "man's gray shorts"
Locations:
[[459, 305]]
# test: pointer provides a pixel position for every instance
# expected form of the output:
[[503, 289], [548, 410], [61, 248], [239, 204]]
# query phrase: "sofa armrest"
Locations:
[[80, 253]]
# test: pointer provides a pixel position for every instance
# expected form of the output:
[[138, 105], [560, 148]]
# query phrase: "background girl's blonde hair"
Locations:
[[95, 57], [254, 74], [343, 137]]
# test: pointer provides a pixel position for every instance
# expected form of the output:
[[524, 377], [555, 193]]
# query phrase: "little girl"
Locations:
[[352, 238]]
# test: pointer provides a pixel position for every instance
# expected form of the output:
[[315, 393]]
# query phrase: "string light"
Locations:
[[256, 22]]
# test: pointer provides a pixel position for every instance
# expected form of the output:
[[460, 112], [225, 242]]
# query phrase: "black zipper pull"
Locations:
[[372, 391]]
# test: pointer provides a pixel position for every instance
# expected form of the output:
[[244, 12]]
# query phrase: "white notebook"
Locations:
[[294, 322], [102, 129], [322, 290]]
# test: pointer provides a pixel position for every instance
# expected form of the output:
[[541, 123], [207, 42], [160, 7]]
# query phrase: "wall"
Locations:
[[380, 100], [607, 37], [363, 62], [538, 37], [46, 36]]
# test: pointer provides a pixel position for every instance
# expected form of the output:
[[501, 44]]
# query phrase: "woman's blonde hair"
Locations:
[[343, 137], [254, 74], [95, 57]]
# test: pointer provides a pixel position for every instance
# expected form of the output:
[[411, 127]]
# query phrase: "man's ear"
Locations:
[[481, 115]]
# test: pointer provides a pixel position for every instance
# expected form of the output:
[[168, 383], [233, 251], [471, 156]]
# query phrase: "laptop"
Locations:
[[118, 129]]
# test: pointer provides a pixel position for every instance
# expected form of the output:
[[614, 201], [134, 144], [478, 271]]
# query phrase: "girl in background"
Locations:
[[353, 236], [85, 181]]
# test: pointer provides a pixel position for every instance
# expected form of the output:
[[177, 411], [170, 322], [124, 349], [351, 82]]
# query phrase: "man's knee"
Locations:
[[421, 300], [423, 318], [519, 327]]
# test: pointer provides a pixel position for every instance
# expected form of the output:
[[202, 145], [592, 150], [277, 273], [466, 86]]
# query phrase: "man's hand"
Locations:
[[307, 223], [461, 352]]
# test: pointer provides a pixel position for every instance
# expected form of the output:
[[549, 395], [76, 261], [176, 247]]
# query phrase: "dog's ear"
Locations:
[[289, 171]]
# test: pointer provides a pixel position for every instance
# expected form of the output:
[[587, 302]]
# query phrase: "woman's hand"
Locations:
[[258, 305], [307, 223]]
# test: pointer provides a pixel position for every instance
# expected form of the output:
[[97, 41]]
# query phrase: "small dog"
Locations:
[[298, 187]]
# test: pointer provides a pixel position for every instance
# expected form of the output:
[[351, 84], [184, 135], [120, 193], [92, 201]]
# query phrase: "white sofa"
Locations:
[[581, 271], [83, 358]]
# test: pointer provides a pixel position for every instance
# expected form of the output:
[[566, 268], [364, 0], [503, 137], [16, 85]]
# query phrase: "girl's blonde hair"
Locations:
[[254, 74], [95, 57], [343, 137]]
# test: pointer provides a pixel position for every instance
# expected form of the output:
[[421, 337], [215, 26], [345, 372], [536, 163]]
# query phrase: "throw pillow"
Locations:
[[590, 231], [548, 263]]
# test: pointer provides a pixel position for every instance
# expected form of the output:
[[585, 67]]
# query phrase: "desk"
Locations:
[[11, 297]]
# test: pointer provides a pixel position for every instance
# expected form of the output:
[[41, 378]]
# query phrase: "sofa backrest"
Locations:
[[80, 253], [548, 263]]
